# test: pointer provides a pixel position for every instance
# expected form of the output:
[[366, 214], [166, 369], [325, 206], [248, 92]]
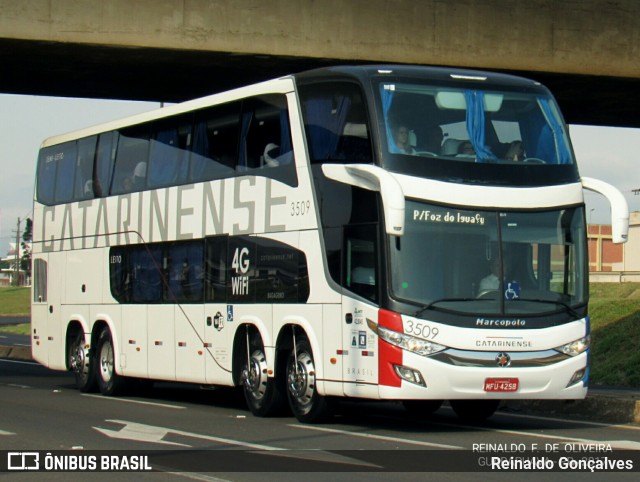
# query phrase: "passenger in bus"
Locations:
[[515, 152], [272, 157], [465, 149], [401, 139]]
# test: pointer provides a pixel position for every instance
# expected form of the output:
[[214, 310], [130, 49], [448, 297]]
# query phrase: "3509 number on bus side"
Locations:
[[422, 330]]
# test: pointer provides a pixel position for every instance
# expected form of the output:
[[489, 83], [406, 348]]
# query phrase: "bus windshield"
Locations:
[[474, 135], [490, 262]]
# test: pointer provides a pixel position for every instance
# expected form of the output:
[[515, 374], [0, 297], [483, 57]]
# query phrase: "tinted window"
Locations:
[[183, 265], [105, 155], [265, 142], [84, 168], [335, 122], [215, 142], [170, 143], [238, 269], [130, 171], [47, 174]]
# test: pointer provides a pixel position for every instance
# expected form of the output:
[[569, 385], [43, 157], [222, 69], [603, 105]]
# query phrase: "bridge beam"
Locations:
[[586, 50]]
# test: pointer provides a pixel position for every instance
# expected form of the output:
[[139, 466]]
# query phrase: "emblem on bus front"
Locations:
[[503, 359]]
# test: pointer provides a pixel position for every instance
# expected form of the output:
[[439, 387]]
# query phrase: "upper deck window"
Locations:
[[471, 134], [336, 124]]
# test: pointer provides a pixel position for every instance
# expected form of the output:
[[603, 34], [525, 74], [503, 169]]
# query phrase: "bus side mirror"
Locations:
[[619, 207], [374, 178]]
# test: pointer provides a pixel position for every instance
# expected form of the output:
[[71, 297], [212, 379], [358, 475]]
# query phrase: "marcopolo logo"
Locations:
[[501, 323]]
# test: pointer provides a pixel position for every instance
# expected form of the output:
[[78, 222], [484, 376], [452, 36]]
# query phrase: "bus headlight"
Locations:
[[575, 347], [406, 342]]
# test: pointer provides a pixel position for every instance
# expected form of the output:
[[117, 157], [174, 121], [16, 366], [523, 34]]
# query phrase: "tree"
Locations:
[[27, 236]]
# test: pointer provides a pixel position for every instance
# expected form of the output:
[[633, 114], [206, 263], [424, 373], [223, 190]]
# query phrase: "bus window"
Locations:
[[59, 168], [105, 154], [281, 274], [215, 142], [84, 168], [360, 260], [185, 272], [47, 174], [335, 123], [169, 151], [130, 171], [265, 142], [215, 269]]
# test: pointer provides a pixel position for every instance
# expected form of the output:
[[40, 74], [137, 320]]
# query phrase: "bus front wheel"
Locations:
[[306, 403], [109, 382]]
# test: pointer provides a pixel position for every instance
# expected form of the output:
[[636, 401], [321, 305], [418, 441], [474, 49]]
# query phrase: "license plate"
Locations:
[[501, 385]]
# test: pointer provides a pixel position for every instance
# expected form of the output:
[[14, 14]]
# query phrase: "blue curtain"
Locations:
[[552, 135], [387, 99], [325, 123], [475, 125]]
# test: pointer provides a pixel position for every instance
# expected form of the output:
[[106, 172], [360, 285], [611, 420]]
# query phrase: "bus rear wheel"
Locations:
[[109, 382], [80, 364], [261, 392], [306, 403], [474, 410]]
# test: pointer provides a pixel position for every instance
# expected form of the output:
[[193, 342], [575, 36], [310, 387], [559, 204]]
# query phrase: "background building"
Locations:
[[620, 261]]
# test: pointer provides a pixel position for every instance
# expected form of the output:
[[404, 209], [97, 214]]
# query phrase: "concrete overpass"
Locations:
[[586, 51]]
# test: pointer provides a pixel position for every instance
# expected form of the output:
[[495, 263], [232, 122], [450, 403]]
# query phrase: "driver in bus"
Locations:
[[515, 152], [491, 282]]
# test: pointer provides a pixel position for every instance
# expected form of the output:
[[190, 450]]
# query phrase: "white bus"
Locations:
[[389, 233]]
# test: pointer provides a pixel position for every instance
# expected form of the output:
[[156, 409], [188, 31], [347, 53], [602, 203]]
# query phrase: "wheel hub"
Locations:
[[255, 378]]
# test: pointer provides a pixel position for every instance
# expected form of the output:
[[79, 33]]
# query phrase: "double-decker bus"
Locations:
[[373, 232]]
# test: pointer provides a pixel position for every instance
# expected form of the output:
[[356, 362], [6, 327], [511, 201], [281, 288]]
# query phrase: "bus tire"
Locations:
[[474, 410], [307, 405], [109, 382], [261, 392], [80, 364]]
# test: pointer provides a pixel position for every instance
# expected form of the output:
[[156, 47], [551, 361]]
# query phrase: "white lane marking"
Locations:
[[151, 433], [2, 432], [138, 402], [569, 420], [139, 433], [618, 444], [193, 476], [378, 437], [15, 385]]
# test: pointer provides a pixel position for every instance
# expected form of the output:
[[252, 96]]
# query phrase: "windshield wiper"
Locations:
[[568, 308], [441, 300]]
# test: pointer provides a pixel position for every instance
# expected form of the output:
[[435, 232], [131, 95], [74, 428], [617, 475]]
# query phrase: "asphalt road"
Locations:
[[209, 435]]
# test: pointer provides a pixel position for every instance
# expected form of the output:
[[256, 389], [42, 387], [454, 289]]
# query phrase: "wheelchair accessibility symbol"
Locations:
[[513, 290]]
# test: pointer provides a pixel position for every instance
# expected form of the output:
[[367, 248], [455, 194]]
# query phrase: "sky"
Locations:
[[605, 153]]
